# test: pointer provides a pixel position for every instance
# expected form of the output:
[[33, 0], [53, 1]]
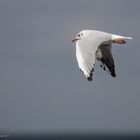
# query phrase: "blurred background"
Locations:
[[42, 90]]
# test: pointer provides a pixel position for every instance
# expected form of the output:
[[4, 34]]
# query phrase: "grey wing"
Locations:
[[86, 56], [104, 55]]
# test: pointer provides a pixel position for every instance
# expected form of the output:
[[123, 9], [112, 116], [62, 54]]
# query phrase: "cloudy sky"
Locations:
[[41, 87]]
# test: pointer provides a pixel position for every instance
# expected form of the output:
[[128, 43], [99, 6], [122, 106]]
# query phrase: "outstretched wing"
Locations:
[[104, 55], [86, 56]]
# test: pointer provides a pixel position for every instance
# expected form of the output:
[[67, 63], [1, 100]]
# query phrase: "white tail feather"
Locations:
[[118, 37], [128, 38]]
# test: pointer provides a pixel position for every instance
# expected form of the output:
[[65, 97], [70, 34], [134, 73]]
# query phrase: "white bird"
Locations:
[[92, 45]]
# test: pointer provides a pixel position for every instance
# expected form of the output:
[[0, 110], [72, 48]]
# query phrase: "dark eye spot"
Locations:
[[79, 35]]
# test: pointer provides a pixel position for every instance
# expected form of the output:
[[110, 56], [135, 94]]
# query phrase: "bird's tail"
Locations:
[[120, 39], [127, 38]]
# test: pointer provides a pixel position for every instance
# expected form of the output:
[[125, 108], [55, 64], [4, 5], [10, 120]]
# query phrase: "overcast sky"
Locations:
[[41, 87]]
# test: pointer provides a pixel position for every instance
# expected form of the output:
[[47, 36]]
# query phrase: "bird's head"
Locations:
[[81, 35]]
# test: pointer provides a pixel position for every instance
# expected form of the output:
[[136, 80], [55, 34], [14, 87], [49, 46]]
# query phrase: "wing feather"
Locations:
[[105, 56], [86, 56]]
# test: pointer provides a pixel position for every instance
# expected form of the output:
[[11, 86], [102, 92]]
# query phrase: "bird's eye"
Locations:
[[79, 35]]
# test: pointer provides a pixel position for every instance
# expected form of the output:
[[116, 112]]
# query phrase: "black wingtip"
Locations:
[[89, 79], [113, 74], [90, 75]]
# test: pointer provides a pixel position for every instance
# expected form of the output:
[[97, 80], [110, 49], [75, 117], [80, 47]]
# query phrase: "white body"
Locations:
[[92, 45]]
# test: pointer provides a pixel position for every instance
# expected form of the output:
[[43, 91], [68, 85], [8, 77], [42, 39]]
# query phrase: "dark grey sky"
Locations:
[[41, 87]]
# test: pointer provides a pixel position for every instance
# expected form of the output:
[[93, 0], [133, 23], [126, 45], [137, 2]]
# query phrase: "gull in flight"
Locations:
[[92, 45]]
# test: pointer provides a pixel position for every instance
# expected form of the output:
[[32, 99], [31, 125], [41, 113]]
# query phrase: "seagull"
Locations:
[[92, 45]]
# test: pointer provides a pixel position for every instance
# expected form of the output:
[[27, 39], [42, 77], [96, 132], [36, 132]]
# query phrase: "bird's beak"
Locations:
[[74, 40]]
